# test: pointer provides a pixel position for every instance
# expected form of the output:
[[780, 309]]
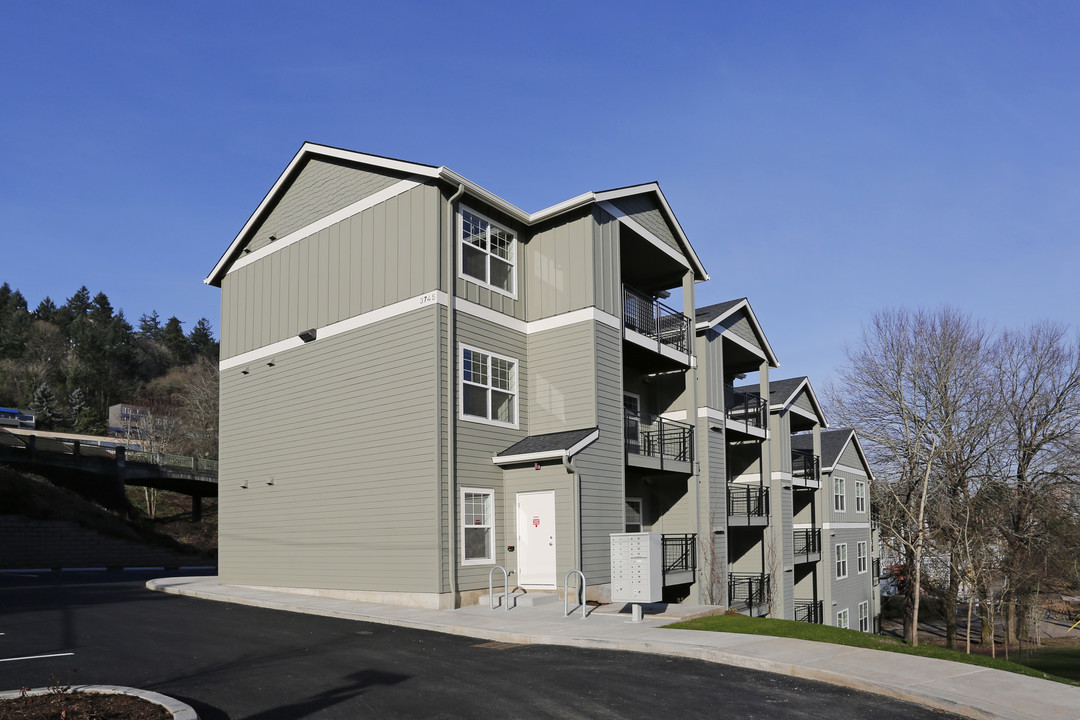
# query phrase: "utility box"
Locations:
[[637, 570]]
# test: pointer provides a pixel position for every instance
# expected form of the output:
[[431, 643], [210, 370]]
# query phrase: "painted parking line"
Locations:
[[35, 657]]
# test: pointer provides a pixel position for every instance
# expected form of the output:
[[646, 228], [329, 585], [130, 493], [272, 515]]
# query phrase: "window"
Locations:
[[488, 387], [633, 514], [839, 496], [841, 561], [488, 252], [864, 616], [842, 618], [860, 497], [632, 408], [477, 531], [860, 556]]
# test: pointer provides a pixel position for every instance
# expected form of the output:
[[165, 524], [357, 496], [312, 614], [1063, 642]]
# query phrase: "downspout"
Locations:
[[568, 463], [451, 395]]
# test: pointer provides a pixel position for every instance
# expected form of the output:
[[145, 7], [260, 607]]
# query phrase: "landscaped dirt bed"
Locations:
[[81, 706]]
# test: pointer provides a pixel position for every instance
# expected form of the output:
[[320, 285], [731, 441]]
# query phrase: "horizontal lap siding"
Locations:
[[344, 428], [342, 271], [855, 588], [802, 401], [321, 187], [548, 477], [561, 386], [477, 442], [602, 464]]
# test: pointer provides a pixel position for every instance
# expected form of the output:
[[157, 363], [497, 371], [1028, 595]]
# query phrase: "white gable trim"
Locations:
[[744, 304], [653, 240], [744, 344]]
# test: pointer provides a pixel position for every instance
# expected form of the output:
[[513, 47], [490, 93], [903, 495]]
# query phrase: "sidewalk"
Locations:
[[964, 689]]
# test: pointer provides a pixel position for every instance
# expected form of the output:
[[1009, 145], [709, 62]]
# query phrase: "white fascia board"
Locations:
[[745, 345], [787, 404], [849, 470], [485, 195], [652, 239], [845, 526], [744, 304], [311, 149]]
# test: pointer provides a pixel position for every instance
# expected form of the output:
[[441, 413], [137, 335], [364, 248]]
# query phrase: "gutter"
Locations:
[[451, 399]]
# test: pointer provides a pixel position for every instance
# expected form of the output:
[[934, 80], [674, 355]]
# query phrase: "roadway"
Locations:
[[233, 662]]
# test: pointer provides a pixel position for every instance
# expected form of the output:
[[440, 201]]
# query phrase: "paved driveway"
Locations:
[[242, 663]]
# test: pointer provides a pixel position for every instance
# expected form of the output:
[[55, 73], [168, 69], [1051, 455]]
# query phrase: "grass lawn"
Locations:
[[1061, 661], [854, 638]]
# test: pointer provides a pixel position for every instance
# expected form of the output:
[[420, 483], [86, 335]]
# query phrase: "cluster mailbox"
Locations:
[[637, 567]]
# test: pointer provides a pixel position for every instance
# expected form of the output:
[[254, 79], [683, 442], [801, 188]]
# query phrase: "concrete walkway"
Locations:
[[955, 687]]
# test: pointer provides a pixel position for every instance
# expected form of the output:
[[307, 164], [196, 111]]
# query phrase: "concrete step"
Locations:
[[521, 599]]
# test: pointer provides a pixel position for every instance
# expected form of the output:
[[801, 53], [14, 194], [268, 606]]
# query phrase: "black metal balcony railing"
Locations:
[[810, 611], [747, 501], [805, 465], [745, 407], [644, 314], [680, 554], [659, 437], [807, 541], [748, 590]]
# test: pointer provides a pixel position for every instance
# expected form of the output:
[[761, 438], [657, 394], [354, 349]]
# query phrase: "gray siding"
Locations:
[[856, 587], [607, 268], [712, 546], [739, 326], [561, 386], [352, 458], [549, 477], [342, 271], [645, 212], [479, 294], [802, 401], [710, 357], [321, 186], [602, 464], [558, 268]]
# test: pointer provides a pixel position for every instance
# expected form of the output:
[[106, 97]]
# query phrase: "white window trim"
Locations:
[[641, 514], [490, 559], [860, 499], [861, 558], [460, 255], [837, 560], [461, 389], [839, 498], [864, 616], [847, 619]]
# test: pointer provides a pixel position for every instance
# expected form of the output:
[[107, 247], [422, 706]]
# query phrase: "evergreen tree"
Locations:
[[14, 322], [150, 325], [44, 406], [76, 406], [174, 340], [46, 310], [202, 342]]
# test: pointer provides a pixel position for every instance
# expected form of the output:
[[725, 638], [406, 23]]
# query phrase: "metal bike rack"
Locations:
[[491, 587], [566, 593]]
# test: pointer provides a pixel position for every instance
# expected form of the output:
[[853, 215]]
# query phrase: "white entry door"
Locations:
[[536, 539]]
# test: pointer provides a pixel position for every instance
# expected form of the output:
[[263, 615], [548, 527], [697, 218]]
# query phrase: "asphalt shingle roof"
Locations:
[[549, 442], [832, 444], [710, 312]]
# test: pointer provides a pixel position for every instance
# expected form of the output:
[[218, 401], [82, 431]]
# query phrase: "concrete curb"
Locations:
[[695, 645], [179, 710]]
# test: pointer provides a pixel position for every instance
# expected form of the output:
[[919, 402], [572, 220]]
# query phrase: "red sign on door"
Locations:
[[536, 521]]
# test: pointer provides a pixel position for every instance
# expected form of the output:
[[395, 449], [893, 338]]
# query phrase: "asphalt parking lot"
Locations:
[[234, 662]]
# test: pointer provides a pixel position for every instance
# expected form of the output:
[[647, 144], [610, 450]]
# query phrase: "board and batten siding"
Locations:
[[561, 385], [607, 263], [340, 272], [601, 466], [321, 186], [802, 401], [739, 326], [558, 262], [645, 212], [466, 288], [710, 355], [336, 446]]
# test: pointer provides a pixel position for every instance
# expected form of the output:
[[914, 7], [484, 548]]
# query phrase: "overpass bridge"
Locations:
[[107, 466]]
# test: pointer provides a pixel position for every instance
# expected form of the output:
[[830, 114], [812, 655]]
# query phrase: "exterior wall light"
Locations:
[[307, 335]]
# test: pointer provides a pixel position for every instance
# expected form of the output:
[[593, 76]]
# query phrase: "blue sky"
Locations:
[[826, 159]]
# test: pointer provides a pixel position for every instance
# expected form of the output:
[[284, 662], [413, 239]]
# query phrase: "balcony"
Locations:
[[805, 469], [749, 592], [656, 443], [809, 611], [747, 506], [680, 558], [745, 412], [807, 545], [654, 326]]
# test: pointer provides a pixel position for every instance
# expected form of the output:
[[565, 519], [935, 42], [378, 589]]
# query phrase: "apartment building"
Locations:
[[484, 387]]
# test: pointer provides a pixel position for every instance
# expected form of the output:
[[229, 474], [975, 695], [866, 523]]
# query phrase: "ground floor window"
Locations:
[[633, 514], [864, 616], [842, 618], [477, 526]]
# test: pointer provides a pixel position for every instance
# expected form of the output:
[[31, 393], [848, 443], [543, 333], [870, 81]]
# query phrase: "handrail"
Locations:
[[566, 593], [491, 587]]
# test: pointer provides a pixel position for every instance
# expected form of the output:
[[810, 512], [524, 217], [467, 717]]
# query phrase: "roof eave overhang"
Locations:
[[744, 304], [546, 455], [789, 401]]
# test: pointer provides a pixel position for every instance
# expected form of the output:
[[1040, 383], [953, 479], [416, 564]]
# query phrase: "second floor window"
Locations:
[[860, 497], [488, 252], [839, 495], [860, 556], [489, 387]]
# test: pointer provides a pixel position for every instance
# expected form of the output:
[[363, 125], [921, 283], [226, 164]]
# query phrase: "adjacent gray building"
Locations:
[[479, 385]]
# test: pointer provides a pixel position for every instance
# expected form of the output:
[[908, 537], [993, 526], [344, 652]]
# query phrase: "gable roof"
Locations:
[[430, 172], [834, 444], [782, 393], [712, 315]]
